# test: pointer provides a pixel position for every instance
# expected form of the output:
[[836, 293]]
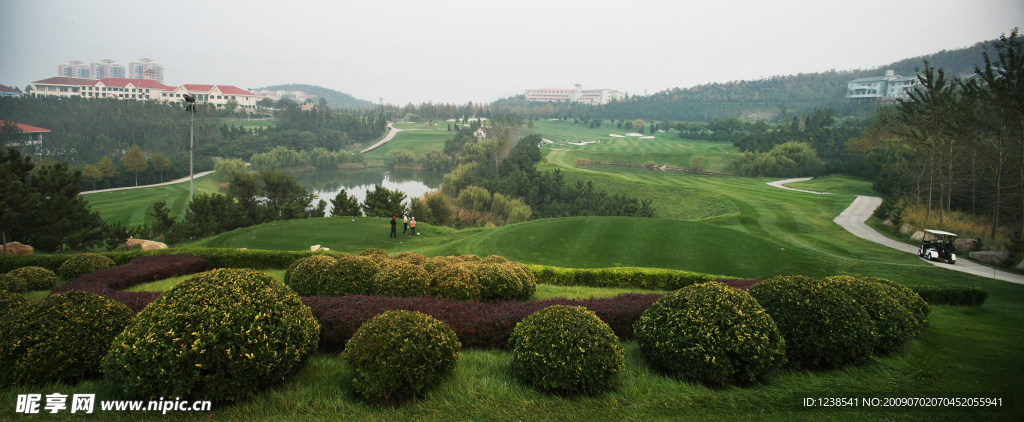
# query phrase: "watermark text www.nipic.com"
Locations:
[[86, 403]]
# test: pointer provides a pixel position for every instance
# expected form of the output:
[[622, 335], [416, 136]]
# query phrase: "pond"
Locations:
[[326, 184]]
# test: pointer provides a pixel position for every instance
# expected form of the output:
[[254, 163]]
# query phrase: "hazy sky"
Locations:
[[458, 51]]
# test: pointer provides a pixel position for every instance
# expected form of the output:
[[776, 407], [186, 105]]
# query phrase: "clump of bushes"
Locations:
[[710, 333], [893, 322], [823, 327], [9, 301], [399, 355], [35, 278], [310, 276], [411, 257], [377, 254], [645, 278], [497, 281], [494, 259], [12, 284], [354, 276], [61, 337], [566, 350], [527, 281], [436, 263], [401, 279], [222, 335], [952, 295], [907, 297], [455, 282], [83, 264]]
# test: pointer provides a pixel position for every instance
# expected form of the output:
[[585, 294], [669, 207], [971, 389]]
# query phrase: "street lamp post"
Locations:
[[190, 107]]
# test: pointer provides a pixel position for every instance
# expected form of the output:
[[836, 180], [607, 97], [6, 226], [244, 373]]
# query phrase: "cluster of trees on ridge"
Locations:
[[957, 143]]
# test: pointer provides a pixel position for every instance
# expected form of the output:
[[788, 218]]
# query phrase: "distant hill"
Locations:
[[747, 98], [334, 98]]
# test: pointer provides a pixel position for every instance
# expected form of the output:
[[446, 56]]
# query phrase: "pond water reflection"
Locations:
[[326, 184]]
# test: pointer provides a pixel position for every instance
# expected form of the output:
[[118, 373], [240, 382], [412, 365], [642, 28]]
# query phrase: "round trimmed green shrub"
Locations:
[[312, 275], [411, 257], [401, 279], [710, 333], [497, 281], [83, 264], [377, 254], [221, 335], [823, 327], [455, 282], [398, 355], [894, 324], [9, 301], [566, 350], [919, 309], [469, 258], [12, 284], [355, 276], [36, 278], [494, 259], [527, 279], [61, 337], [438, 262]]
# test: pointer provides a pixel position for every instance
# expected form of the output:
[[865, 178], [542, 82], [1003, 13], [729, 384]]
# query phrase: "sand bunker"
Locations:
[[634, 134], [547, 141], [615, 136], [646, 137], [558, 149], [581, 143]]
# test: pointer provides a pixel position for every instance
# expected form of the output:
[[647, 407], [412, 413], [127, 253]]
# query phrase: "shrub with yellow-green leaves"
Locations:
[[220, 335], [469, 258], [12, 284], [497, 281], [312, 275], [455, 282], [411, 257], [566, 350], [919, 309], [435, 263], [401, 279], [9, 301], [894, 323], [527, 281], [377, 254], [823, 326], [60, 337], [494, 259], [36, 278], [400, 354], [710, 333], [355, 276], [83, 264]]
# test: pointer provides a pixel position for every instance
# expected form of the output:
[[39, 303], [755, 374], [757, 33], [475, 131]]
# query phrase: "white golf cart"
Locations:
[[940, 248]]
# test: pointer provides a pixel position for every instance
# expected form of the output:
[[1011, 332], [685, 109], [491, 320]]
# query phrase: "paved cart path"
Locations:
[[852, 219], [391, 134], [184, 179]]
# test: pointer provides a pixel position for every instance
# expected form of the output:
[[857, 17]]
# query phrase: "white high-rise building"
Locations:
[[137, 70]]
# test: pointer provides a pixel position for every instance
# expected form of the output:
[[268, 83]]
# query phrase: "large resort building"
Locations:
[[578, 95], [886, 88], [141, 89]]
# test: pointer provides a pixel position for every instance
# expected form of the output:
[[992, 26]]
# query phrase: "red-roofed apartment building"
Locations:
[[118, 88], [214, 94], [6, 91], [31, 136]]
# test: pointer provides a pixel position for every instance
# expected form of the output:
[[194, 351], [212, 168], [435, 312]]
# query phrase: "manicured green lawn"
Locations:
[[417, 141], [132, 207], [837, 184]]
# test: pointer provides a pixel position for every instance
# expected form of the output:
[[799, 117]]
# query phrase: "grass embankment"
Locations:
[[665, 148], [417, 141], [132, 207]]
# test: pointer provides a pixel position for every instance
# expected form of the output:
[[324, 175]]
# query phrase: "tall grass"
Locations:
[[963, 224]]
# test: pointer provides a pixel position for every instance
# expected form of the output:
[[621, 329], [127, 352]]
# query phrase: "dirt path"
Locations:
[[853, 217], [391, 134], [184, 179]]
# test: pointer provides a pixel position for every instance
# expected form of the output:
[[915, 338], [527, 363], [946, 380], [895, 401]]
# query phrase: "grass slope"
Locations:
[[417, 141], [132, 207]]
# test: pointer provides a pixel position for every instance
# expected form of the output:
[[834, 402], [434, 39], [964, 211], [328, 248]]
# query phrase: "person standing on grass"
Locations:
[[394, 228], [405, 223], [412, 225]]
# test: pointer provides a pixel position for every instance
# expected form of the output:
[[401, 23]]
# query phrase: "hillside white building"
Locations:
[[578, 95], [888, 87]]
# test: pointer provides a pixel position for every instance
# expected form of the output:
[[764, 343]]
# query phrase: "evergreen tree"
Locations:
[[345, 206], [16, 197], [62, 219], [382, 202]]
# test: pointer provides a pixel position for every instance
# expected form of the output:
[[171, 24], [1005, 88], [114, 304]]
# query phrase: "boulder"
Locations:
[[906, 229], [314, 248], [1000, 258], [150, 245], [890, 223], [917, 236], [16, 248], [965, 245], [1021, 265]]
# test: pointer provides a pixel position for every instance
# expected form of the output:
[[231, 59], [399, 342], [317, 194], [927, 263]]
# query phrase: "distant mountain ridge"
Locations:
[[334, 98]]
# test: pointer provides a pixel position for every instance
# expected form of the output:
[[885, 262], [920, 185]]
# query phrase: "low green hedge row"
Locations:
[[646, 278], [952, 295], [218, 258]]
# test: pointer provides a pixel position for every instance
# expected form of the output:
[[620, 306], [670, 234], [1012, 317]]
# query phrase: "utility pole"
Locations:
[[190, 107]]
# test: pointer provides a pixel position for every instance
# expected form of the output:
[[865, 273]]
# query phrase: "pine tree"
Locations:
[[343, 205]]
